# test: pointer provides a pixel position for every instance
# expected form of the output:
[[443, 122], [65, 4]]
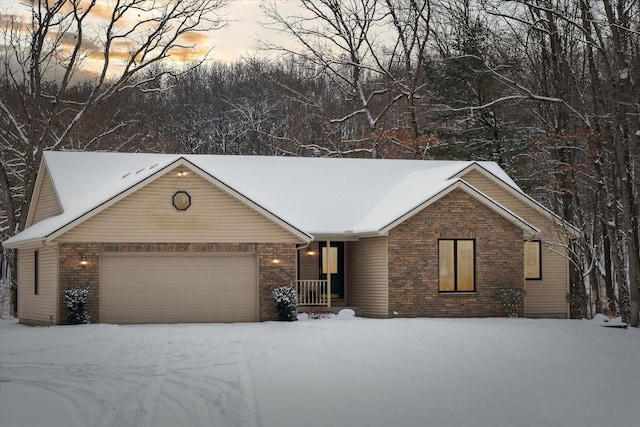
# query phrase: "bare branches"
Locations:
[[350, 43], [103, 48], [582, 58]]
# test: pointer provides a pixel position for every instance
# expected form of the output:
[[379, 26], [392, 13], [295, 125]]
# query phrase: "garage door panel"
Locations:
[[245, 315], [178, 288], [226, 313]]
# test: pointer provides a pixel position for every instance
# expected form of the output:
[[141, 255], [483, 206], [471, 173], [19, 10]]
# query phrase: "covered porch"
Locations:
[[321, 278]]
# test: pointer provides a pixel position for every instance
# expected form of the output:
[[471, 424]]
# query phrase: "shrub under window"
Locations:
[[512, 300]]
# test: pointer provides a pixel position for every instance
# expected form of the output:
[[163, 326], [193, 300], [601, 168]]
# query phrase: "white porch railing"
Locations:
[[312, 292]]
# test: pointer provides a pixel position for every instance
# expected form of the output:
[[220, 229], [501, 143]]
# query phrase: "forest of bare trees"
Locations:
[[547, 88]]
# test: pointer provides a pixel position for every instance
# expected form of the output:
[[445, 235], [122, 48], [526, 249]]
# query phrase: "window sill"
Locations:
[[457, 293]]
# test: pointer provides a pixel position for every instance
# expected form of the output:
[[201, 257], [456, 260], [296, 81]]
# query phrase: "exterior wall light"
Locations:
[[83, 260], [275, 261], [310, 252]]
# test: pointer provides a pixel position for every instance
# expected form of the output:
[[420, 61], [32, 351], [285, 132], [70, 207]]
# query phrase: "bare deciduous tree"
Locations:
[[48, 93], [585, 58], [371, 51], [44, 59]]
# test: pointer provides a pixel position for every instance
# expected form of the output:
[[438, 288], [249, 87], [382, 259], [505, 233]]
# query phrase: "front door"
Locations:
[[332, 262]]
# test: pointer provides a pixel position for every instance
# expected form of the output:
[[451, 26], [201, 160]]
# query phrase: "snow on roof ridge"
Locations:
[[356, 194]]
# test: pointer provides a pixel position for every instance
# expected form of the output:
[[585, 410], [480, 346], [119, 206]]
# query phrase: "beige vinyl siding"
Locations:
[[368, 276], [148, 215], [546, 296], [309, 268], [512, 203], [46, 203], [32, 307]]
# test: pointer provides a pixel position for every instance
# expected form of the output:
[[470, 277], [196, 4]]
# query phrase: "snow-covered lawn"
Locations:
[[329, 372]]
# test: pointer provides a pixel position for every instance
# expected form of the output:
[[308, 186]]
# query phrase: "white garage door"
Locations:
[[176, 288]]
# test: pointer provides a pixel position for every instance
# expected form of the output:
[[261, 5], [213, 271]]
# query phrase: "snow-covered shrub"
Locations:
[[76, 302], [512, 300], [284, 299]]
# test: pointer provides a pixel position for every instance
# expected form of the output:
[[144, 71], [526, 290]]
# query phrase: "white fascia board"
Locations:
[[109, 202], [526, 226], [245, 200], [530, 229], [533, 203], [342, 237], [162, 172], [43, 170], [484, 171], [29, 243], [36, 190]]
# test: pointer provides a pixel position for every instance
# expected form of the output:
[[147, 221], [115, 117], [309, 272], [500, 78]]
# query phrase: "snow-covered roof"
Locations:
[[317, 196]]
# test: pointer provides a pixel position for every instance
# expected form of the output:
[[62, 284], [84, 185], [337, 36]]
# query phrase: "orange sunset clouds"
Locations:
[[227, 44]]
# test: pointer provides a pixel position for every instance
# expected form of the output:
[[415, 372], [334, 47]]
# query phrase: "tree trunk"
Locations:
[[608, 268]]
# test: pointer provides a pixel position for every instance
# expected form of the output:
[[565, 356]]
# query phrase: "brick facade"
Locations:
[[72, 274], [412, 252], [272, 275], [413, 259]]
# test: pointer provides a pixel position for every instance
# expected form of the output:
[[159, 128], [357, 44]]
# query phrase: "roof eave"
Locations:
[[341, 236], [181, 161], [306, 237], [530, 230], [24, 243], [37, 186], [572, 231], [109, 202]]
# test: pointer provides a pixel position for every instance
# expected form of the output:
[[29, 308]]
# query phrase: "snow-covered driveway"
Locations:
[[106, 375], [330, 372]]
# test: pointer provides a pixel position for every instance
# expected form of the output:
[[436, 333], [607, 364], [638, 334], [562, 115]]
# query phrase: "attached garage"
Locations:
[[178, 288], [166, 238]]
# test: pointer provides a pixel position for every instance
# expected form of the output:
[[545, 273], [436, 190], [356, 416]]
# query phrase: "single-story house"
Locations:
[[163, 238]]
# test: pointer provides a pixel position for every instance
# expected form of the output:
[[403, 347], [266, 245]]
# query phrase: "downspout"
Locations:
[[304, 246]]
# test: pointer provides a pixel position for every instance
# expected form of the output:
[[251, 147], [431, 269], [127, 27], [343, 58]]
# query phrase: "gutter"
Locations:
[[25, 243]]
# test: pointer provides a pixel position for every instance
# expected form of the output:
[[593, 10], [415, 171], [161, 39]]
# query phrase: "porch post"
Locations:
[[328, 273]]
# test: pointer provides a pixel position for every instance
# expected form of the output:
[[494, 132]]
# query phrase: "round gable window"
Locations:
[[181, 200]]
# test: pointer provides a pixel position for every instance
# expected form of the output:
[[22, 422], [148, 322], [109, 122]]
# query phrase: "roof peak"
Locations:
[[313, 195]]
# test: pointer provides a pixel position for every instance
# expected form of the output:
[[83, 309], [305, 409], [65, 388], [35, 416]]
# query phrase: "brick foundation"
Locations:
[[274, 275], [71, 274], [413, 259]]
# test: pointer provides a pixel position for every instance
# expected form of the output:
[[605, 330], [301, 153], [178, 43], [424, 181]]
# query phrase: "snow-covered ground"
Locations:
[[327, 372]]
